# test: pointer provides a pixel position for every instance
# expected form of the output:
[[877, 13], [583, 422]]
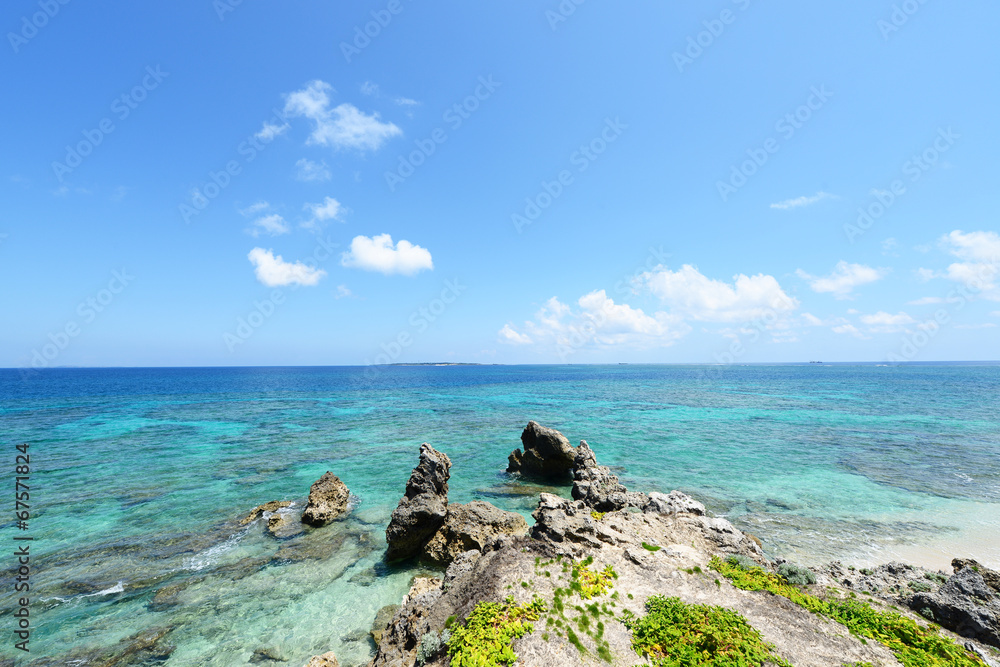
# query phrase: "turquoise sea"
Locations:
[[139, 477]]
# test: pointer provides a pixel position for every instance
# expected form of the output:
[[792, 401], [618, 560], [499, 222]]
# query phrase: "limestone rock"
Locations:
[[423, 508], [328, 659], [256, 512], [991, 577], [477, 526], [674, 502], [965, 604], [597, 487], [547, 453], [327, 500]]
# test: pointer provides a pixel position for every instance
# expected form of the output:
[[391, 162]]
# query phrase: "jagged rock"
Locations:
[[597, 487], [547, 453], [477, 526], [964, 604], [423, 508], [328, 659], [674, 502], [382, 620], [991, 577], [272, 506], [327, 500]]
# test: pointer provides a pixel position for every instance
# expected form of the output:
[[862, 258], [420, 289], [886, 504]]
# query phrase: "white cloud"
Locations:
[[812, 320], [342, 292], [270, 131], [849, 329], [328, 209], [980, 252], [986, 325], [691, 294], [272, 225], [883, 322], [508, 335], [597, 322], [344, 126], [995, 313], [369, 88], [307, 171], [889, 243], [254, 208], [801, 201], [379, 254], [273, 271], [925, 301], [844, 279], [406, 102], [925, 275]]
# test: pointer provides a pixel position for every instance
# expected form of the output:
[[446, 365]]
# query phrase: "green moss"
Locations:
[[604, 653], [630, 596], [650, 547], [914, 645], [692, 570], [574, 640], [545, 636], [484, 640], [676, 634]]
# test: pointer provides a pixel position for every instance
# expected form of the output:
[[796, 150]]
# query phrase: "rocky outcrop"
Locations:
[[328, 659], [477, 526], [965, 604], [597, 487], [328, 498], [423, 508], [991, 577], [283, 524], [547, 453], [674, 502]]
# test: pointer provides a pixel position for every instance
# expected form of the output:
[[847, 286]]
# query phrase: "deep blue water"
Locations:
[[140, 474]]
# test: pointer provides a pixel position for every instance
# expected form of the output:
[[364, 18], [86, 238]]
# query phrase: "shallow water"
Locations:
[[140, 475]]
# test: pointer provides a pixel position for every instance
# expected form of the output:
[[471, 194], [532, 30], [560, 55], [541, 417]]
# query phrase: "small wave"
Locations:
[[117, 588], [211, 556]]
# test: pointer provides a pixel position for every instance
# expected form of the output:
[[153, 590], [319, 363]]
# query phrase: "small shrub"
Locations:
[[796, 575], [484, 640], [431, 644], [934, 576], [674, 633], [920, 586], [742, 561], [597, 516]]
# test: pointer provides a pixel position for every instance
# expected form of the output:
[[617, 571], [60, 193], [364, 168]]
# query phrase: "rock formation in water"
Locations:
[[422, 510], [547, 453], [328, 498]]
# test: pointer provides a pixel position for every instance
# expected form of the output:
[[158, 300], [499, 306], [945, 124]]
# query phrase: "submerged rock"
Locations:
[[328, 659], [477, 526], [282, 524], [266, 654], [547, 453], [256, 512], [382, 620], [597, 487], [327, 500], [423, 508]]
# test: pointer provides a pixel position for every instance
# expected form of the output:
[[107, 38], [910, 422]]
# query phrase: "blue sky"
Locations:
[[206, 183]]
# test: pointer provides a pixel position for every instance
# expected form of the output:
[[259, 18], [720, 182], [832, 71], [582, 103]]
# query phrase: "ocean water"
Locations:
[[139, 478]]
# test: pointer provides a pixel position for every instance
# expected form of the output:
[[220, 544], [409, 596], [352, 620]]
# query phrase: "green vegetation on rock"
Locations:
[[913, 644], [677, 634], [484, 640]]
